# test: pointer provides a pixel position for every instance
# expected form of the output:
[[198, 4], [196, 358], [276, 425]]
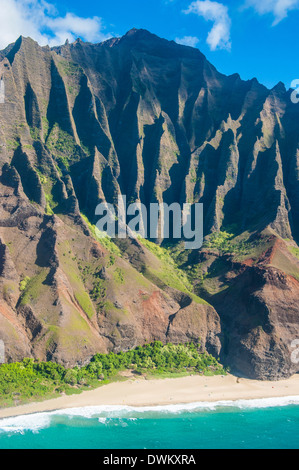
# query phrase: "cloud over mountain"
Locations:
[[41, 21], [219, 36]]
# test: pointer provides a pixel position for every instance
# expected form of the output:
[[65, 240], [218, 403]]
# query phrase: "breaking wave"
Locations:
[[105, 414]]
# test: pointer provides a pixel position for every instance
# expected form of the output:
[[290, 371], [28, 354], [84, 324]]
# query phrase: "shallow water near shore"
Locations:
[[263, 424]]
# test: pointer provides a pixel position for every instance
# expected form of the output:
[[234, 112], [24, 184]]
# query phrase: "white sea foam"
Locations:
[[122, 410], [104, 414], [102, 420], [20, 424]]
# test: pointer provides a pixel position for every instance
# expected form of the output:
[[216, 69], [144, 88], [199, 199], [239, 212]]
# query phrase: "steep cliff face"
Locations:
[[254, 288], [154, 120], [64, 296]]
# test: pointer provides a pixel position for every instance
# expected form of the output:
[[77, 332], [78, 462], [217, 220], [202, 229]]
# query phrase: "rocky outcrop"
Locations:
[[258, 306], [65, 297]]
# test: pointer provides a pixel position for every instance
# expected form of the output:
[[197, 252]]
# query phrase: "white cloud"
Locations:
[[279, 8], [191, 41], [72, 26], [219, 36], [42, 22]]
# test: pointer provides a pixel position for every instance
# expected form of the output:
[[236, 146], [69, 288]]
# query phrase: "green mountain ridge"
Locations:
[[154, 120]]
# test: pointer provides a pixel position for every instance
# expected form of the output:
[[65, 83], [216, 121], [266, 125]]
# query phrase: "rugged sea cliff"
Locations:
[[148, 118]]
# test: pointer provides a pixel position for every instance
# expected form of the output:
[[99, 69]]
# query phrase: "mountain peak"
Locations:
[[135, 34], [279, 87], [139, 32], [148, 42], [25, 39]]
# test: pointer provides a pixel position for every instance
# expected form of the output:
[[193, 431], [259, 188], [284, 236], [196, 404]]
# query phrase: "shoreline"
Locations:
[[142, 392]]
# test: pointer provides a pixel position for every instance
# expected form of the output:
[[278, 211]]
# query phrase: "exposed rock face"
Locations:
[[65, 297], [261, 312], [154, 120]]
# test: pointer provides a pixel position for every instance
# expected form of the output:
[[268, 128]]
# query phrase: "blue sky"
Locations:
[[256, 38]]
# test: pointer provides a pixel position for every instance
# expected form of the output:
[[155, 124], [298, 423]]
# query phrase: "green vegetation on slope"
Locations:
[[226, 242], [31, 288], [169, 274], [294, 251], [104, 240], [29, 380], [71, 268]]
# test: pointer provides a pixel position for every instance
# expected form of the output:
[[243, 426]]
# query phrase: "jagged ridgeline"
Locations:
[[148, 118]]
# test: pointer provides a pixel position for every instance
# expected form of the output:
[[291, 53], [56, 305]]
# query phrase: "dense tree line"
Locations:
[[31, 379]]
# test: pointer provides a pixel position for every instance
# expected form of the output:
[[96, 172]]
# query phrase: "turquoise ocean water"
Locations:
[[262, 424]]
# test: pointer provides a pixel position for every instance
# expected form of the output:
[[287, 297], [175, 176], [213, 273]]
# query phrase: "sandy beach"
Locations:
[[143, 392]]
